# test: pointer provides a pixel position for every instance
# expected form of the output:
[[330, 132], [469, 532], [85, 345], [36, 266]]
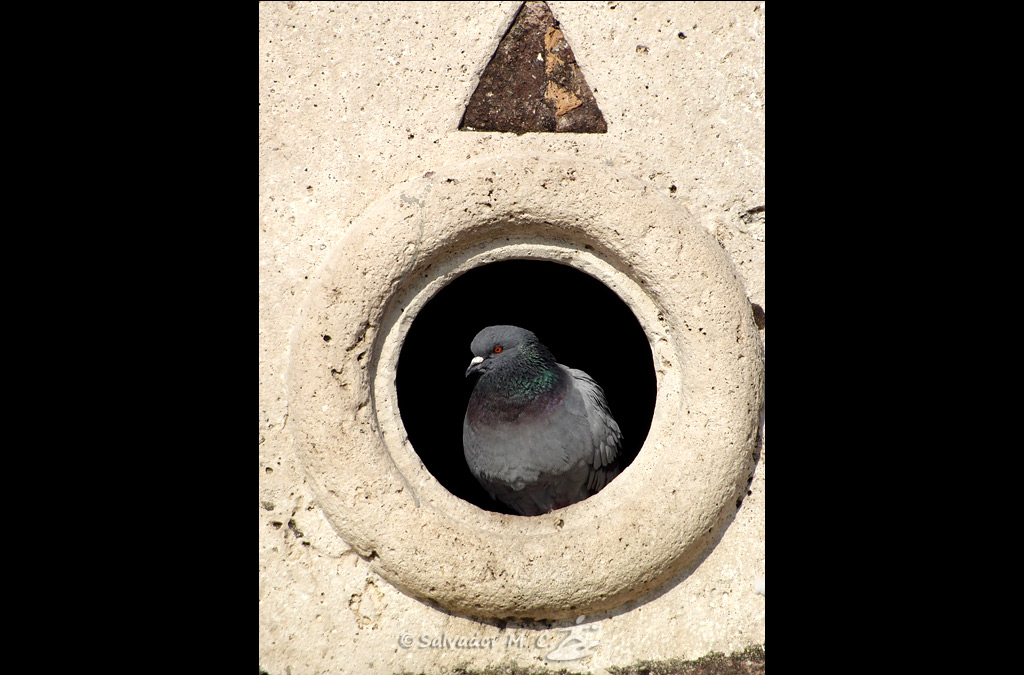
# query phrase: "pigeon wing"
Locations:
[[605, 436]]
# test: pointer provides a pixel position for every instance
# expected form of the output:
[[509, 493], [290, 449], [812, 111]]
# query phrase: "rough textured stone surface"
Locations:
[[356, 99]]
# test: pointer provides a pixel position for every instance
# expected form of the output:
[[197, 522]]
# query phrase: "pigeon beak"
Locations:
[[474, 365]]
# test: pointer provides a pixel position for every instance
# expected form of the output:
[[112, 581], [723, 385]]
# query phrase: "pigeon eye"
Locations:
[[497, 349]]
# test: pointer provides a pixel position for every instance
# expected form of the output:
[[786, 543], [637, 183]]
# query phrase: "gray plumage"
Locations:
[[537, 436]]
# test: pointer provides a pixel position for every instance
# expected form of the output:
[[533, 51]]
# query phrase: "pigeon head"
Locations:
[[499, 346]]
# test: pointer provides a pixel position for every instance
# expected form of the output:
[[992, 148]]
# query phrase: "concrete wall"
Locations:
[[358, 103]]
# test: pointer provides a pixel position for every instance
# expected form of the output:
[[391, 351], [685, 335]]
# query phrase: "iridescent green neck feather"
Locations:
[[529, 383]]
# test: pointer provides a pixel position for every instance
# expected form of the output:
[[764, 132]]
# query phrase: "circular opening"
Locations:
[[659, 517], [584, 324]]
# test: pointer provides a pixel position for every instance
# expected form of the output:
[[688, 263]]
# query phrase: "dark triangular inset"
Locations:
[[533, 83]]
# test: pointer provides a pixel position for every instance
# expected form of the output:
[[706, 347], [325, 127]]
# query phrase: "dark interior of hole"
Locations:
[[582, 322]]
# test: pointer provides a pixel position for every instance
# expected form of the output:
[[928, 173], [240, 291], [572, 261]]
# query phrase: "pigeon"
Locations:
[[537, 436]]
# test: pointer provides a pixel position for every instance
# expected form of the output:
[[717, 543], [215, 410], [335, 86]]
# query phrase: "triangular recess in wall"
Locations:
[[533, 83]]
